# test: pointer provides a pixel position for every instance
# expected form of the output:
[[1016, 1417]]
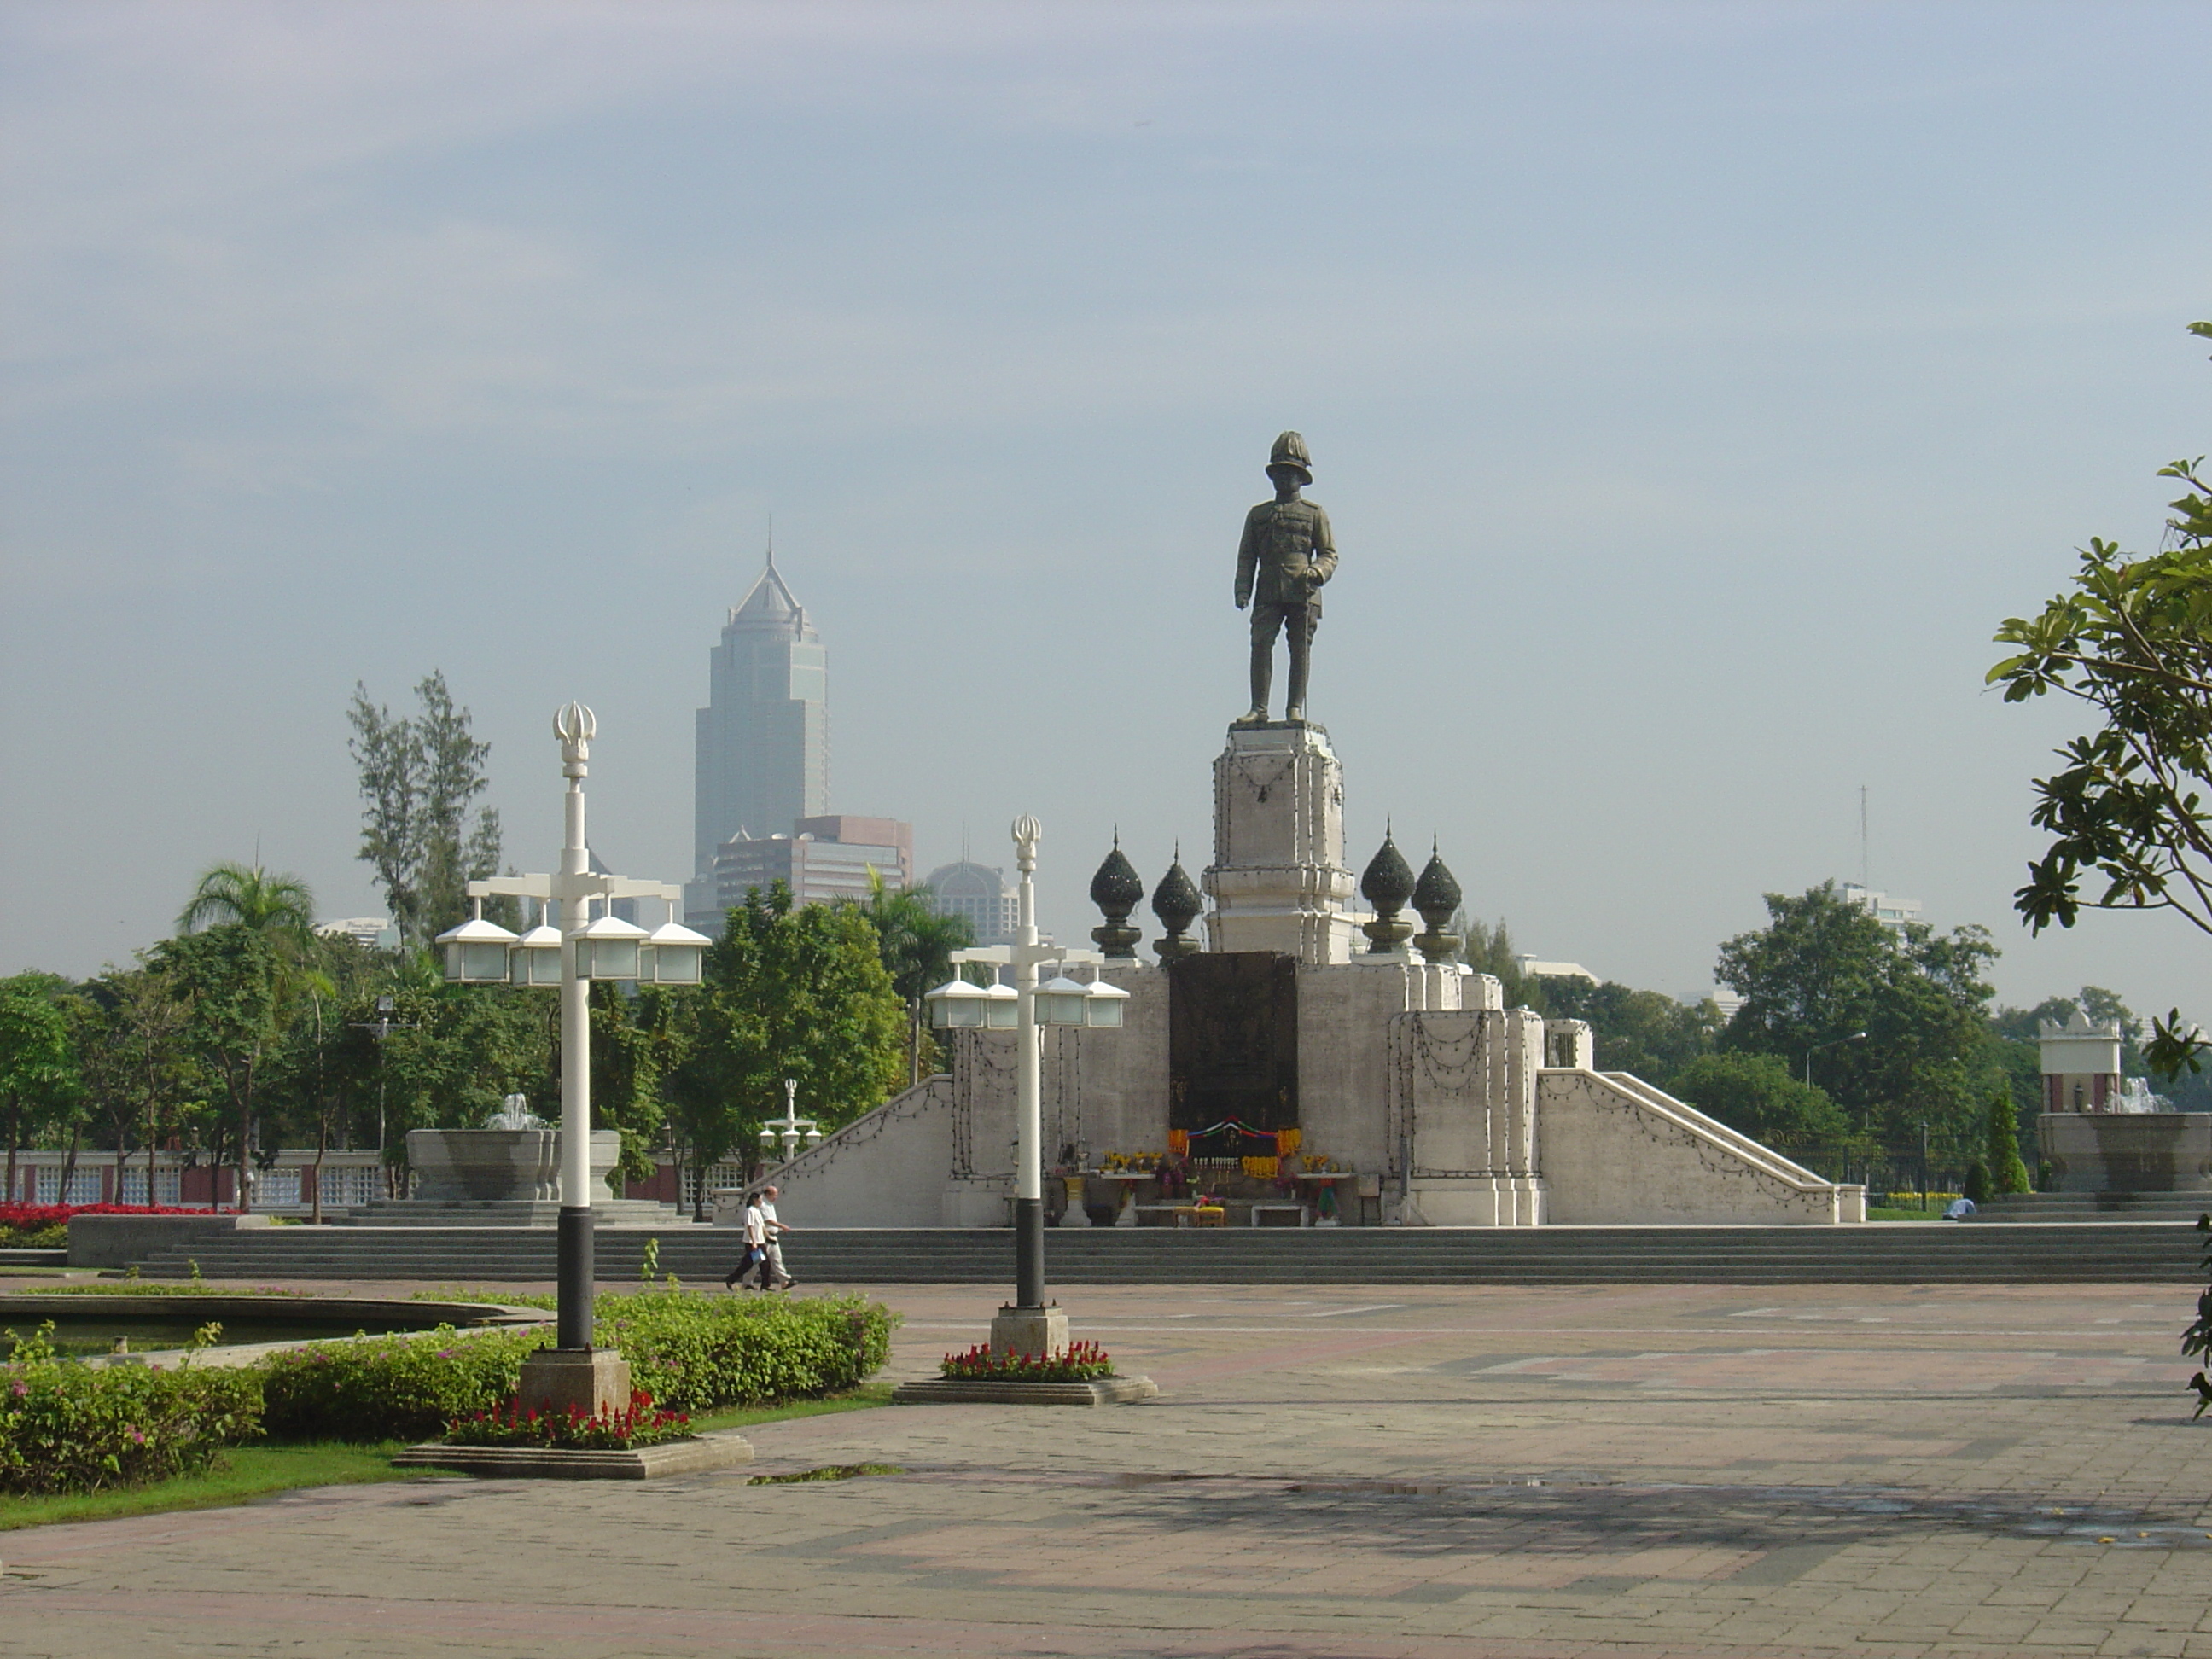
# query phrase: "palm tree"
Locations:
[[282, 909], [916, 944], [278, 905]]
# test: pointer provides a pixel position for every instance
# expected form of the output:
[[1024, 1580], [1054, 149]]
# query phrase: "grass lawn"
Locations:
[[1884, 1212], [253, 1471]]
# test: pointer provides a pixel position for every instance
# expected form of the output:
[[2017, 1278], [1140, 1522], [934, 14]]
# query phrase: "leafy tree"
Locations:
[[280, 906], [791, 993], [2008, 1170], [419, 775], [1824, 969], [40, 1083], [2128, 811], [1757, 1096], [916, 946], [1489, 950], [1646, 1032], [227, 977], [139, 1074]]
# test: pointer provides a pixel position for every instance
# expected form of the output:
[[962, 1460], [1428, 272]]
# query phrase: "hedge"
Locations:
[[691, 1353], [66, 1427]]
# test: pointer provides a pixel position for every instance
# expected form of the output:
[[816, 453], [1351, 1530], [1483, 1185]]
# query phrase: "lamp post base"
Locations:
[[572, 1254], [1030, 1330], [593, 1381]]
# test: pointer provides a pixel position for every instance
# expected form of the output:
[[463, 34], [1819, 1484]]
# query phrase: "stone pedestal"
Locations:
[[503, 1178], [1279, 880], [2128, 1152], [1030, 1330], [592, 1380]]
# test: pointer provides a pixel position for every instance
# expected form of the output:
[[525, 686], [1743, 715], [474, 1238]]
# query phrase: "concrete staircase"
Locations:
[[2096, 1206], [1882, 1253]]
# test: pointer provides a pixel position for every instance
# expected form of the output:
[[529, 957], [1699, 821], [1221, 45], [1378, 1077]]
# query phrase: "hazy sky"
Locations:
[[1694, 388]]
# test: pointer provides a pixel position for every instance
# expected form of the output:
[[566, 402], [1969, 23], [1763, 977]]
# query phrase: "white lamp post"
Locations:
[[790, 1127], [602, 948], [1027, 1326]]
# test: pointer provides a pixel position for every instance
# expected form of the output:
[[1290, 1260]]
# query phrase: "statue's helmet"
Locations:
[[1291, 451]]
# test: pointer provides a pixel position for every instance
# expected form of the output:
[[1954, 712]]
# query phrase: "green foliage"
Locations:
[[75, 1428], [1489, 950], [2127, 810], [247, 895], [796, 993], [1976, 1187], [1823, 968], [39, 1081], [2006, 1170], [419, 776], [916, 946], [390, 1388], [1757, 1096], [228, 977], [691, 1353], [1645, 1032]]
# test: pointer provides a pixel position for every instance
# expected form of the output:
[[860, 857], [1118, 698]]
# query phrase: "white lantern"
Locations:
[[476, 952], [608, 949], [536, 958], [674, 955], [1103, 1003], [1004, 1008], [1061, 1002], [957, 1005]]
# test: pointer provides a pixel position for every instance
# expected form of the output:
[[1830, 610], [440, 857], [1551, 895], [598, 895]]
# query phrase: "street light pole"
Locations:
[[576, 1248], [1027, 1325], [573, 1373], [1029, 1160], [1855, 1036]]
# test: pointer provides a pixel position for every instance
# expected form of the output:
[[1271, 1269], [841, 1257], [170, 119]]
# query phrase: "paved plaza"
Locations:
[[1391, 1472]]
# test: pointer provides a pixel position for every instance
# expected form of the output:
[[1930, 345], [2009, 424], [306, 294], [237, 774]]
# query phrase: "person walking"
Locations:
[[773, 1276], [756, 1241]]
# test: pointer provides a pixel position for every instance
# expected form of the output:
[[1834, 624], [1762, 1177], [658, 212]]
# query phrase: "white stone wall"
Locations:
[[887, 1169], [1463, 1123], [1615, 1150]]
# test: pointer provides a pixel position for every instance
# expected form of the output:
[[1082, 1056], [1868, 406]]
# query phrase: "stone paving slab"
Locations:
[[1379, 1471]]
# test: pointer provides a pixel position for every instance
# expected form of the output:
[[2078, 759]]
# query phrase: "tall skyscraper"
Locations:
[[764, 737]]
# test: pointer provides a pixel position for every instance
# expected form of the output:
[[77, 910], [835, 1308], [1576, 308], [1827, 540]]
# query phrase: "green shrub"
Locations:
[[1976, 1187], [695, 1353], [55, 1237], [68, 1427], [691, 1353], [392, 1387]]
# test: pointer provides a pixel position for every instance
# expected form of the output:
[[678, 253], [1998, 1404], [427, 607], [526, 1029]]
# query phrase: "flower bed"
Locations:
[[70, 1428], [1078, 1361], [641, 1423]]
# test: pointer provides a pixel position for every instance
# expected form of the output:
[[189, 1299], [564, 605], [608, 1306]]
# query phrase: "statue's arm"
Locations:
[[1324, 549], [1248, 561]]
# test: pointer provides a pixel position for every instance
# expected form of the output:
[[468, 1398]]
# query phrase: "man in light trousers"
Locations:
[[773, 1276]]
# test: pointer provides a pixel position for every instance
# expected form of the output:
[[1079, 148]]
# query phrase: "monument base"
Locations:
[[593, 1381], [1030, 1330], [2128, 1152]]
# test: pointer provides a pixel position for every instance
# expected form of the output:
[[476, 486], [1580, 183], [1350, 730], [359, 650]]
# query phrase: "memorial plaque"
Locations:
[[1233, 1041]]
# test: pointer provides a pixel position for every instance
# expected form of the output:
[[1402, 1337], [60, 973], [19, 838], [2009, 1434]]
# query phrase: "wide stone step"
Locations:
[[1883, 1253]]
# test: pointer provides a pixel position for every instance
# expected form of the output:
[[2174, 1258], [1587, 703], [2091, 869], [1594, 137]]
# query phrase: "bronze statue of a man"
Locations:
[[1286, 555]]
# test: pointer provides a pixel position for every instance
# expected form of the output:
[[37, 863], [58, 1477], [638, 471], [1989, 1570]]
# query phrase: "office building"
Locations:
[[764, 737], [827, 858], [982, 895]]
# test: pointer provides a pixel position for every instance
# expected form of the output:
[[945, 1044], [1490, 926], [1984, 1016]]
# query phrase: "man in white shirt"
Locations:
[[773, 1276], [755, 1253]]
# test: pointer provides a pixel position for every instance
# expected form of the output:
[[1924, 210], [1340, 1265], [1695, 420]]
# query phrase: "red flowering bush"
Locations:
[[639, 1424], [1078, 1361]]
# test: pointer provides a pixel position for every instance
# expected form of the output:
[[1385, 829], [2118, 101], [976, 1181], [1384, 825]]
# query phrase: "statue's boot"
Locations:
[[1300, 640], [1263, 675]]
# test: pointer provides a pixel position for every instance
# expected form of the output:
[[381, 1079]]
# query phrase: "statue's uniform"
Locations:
[[1282, 562]]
